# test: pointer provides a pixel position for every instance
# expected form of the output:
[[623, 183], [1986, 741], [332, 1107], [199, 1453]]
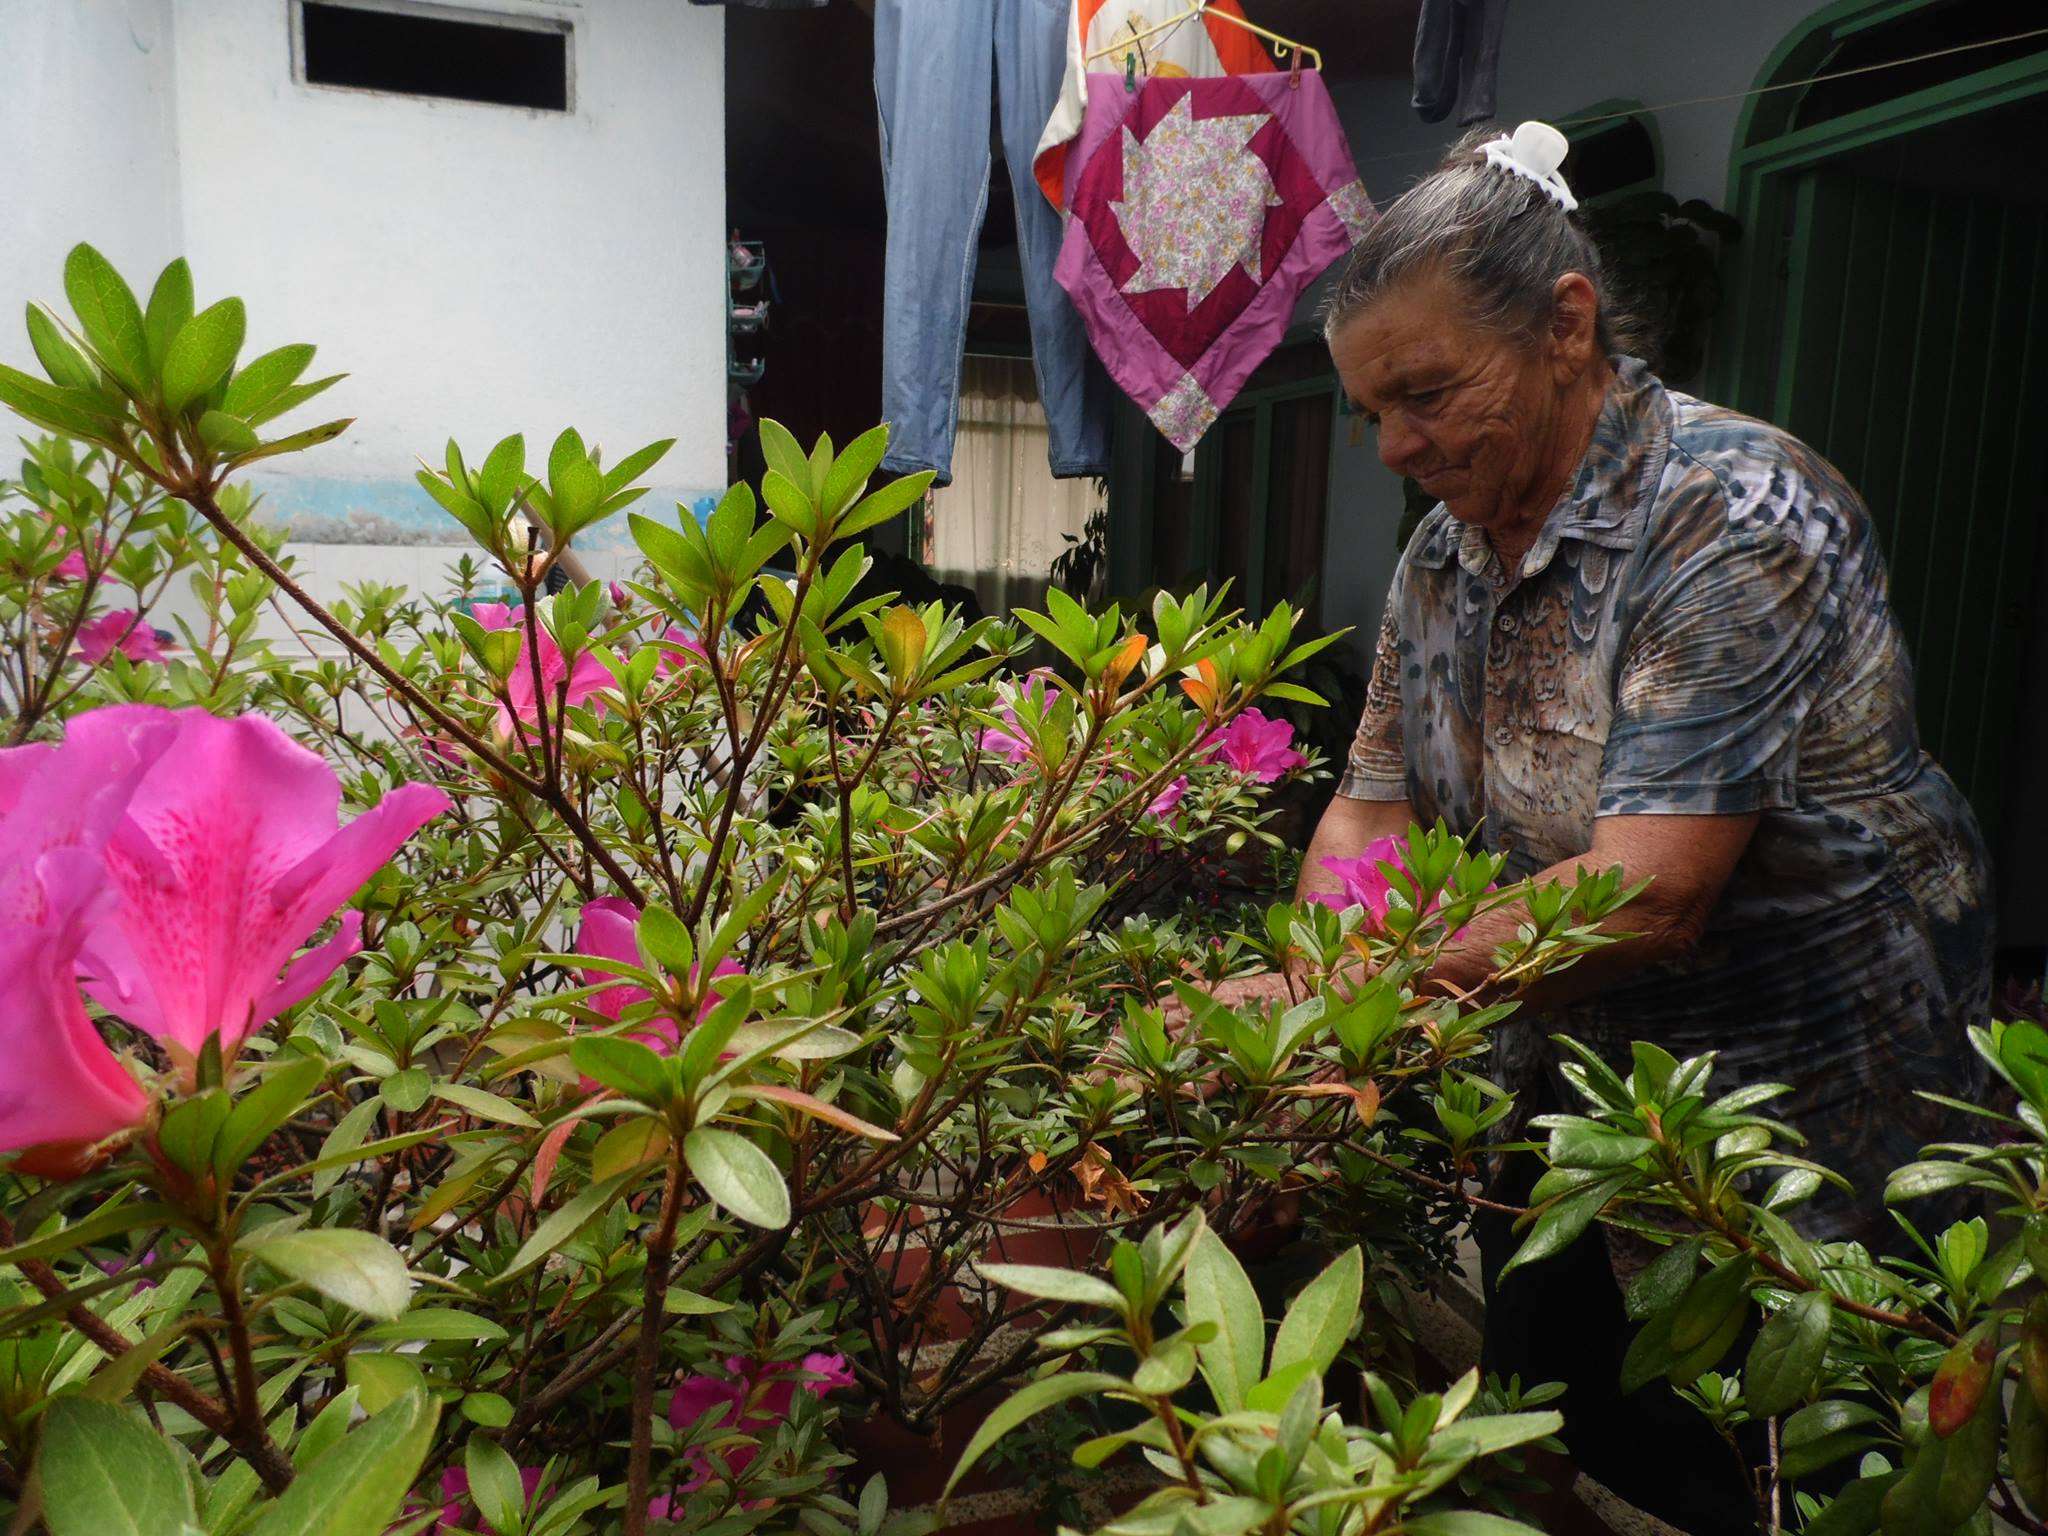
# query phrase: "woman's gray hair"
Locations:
[[1498, 234]]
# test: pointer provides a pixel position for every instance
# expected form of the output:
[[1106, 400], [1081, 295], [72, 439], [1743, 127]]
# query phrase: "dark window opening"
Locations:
[[1607, 157], [1924, 48], [413, 55]]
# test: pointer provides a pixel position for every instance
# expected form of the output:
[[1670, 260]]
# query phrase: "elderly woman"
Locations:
[[1641, 630]]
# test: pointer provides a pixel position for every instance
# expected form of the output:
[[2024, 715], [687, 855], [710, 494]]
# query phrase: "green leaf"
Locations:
[[356, 1487], [438, 1323], [406, 1091], [1026, 1403], [633, 1144], [504, 467], [634, 465], [1855, 1510], [67, 367], [1319, 1321], [625, 1066], [565, 1223], [1562, 1222], [1708, 1301], [1786, 1358], [494, 1483], [1465, 1522], [1054, 1284], [487, 1409], [787, 503], [738, 1175], [486, 1106], [276, 1099], [382, 1378], [850, 471], [70, 411], [357, 1269], [202, 352], [312, 437], [1664, 1280], [262, 379], [1917, 1180], [291, 397], [664, 940], [170, 306], [108, 314], [228, 436], [891, 500], [1219, 1292], [101, 1224], [105, 1472]]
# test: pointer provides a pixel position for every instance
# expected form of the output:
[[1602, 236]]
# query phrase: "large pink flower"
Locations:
[[772, 1386], [586, 679], [1365, 883], [230, 857], [58, 1081], [1254, 745], [123, 630], [606, 930]]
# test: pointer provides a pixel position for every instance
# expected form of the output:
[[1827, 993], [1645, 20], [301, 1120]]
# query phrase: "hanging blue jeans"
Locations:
[[936, 62]]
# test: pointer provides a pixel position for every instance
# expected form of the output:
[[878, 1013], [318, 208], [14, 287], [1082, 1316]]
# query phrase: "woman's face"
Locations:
[[1469, 414]]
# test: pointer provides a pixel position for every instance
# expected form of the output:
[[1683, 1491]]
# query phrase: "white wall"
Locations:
[[88, 148], [1558, 59], [474, 269]]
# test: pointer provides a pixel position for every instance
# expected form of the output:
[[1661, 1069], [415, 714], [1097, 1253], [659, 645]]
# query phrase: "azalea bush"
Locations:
[[591, 1061]]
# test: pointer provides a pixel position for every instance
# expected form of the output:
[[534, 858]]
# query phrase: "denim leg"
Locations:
[[1031, 58], [933, 75]]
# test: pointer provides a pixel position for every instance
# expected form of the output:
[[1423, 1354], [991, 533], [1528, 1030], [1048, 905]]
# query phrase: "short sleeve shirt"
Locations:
[[1702, 627]]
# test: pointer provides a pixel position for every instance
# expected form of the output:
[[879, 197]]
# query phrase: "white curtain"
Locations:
[[998, 527]]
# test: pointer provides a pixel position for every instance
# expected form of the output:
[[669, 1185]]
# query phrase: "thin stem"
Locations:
[[653, 1300], [268, 1461]]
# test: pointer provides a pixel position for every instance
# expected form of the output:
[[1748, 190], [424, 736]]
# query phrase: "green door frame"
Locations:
[[1767, 149]]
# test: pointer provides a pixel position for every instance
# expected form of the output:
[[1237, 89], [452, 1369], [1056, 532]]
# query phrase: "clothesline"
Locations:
[[1761, 90]]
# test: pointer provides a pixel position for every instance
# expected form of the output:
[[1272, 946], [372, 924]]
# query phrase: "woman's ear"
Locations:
[[1574, 326]]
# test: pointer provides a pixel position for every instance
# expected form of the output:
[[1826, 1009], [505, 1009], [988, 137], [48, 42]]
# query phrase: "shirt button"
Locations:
[[1505, 623]]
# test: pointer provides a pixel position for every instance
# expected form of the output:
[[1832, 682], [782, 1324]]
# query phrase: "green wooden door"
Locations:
[[1913, 355]]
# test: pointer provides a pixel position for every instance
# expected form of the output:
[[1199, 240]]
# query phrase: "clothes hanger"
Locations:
[[1282, 46]]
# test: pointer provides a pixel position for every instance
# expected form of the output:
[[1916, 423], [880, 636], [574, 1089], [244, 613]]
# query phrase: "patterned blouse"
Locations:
[[1702, 628]]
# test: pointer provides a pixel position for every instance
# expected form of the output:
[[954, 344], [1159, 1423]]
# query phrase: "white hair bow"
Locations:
[[1534, 151]]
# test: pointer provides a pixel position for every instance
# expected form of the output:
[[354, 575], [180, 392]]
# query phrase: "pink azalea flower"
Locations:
[[1004, 741], [455, 1493], [606, 930], [1169, 798], [58, 1081], [1365, 883], [229, 858], [772, 1388], [71, 567], [586, 679], [1256, 746], [122, 630]]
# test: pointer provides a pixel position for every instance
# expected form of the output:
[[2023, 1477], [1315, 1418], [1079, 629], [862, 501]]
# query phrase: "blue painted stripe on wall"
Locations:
[[327, 510]]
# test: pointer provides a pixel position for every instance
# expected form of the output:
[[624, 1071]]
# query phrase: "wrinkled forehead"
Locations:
[[1392, 347]]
